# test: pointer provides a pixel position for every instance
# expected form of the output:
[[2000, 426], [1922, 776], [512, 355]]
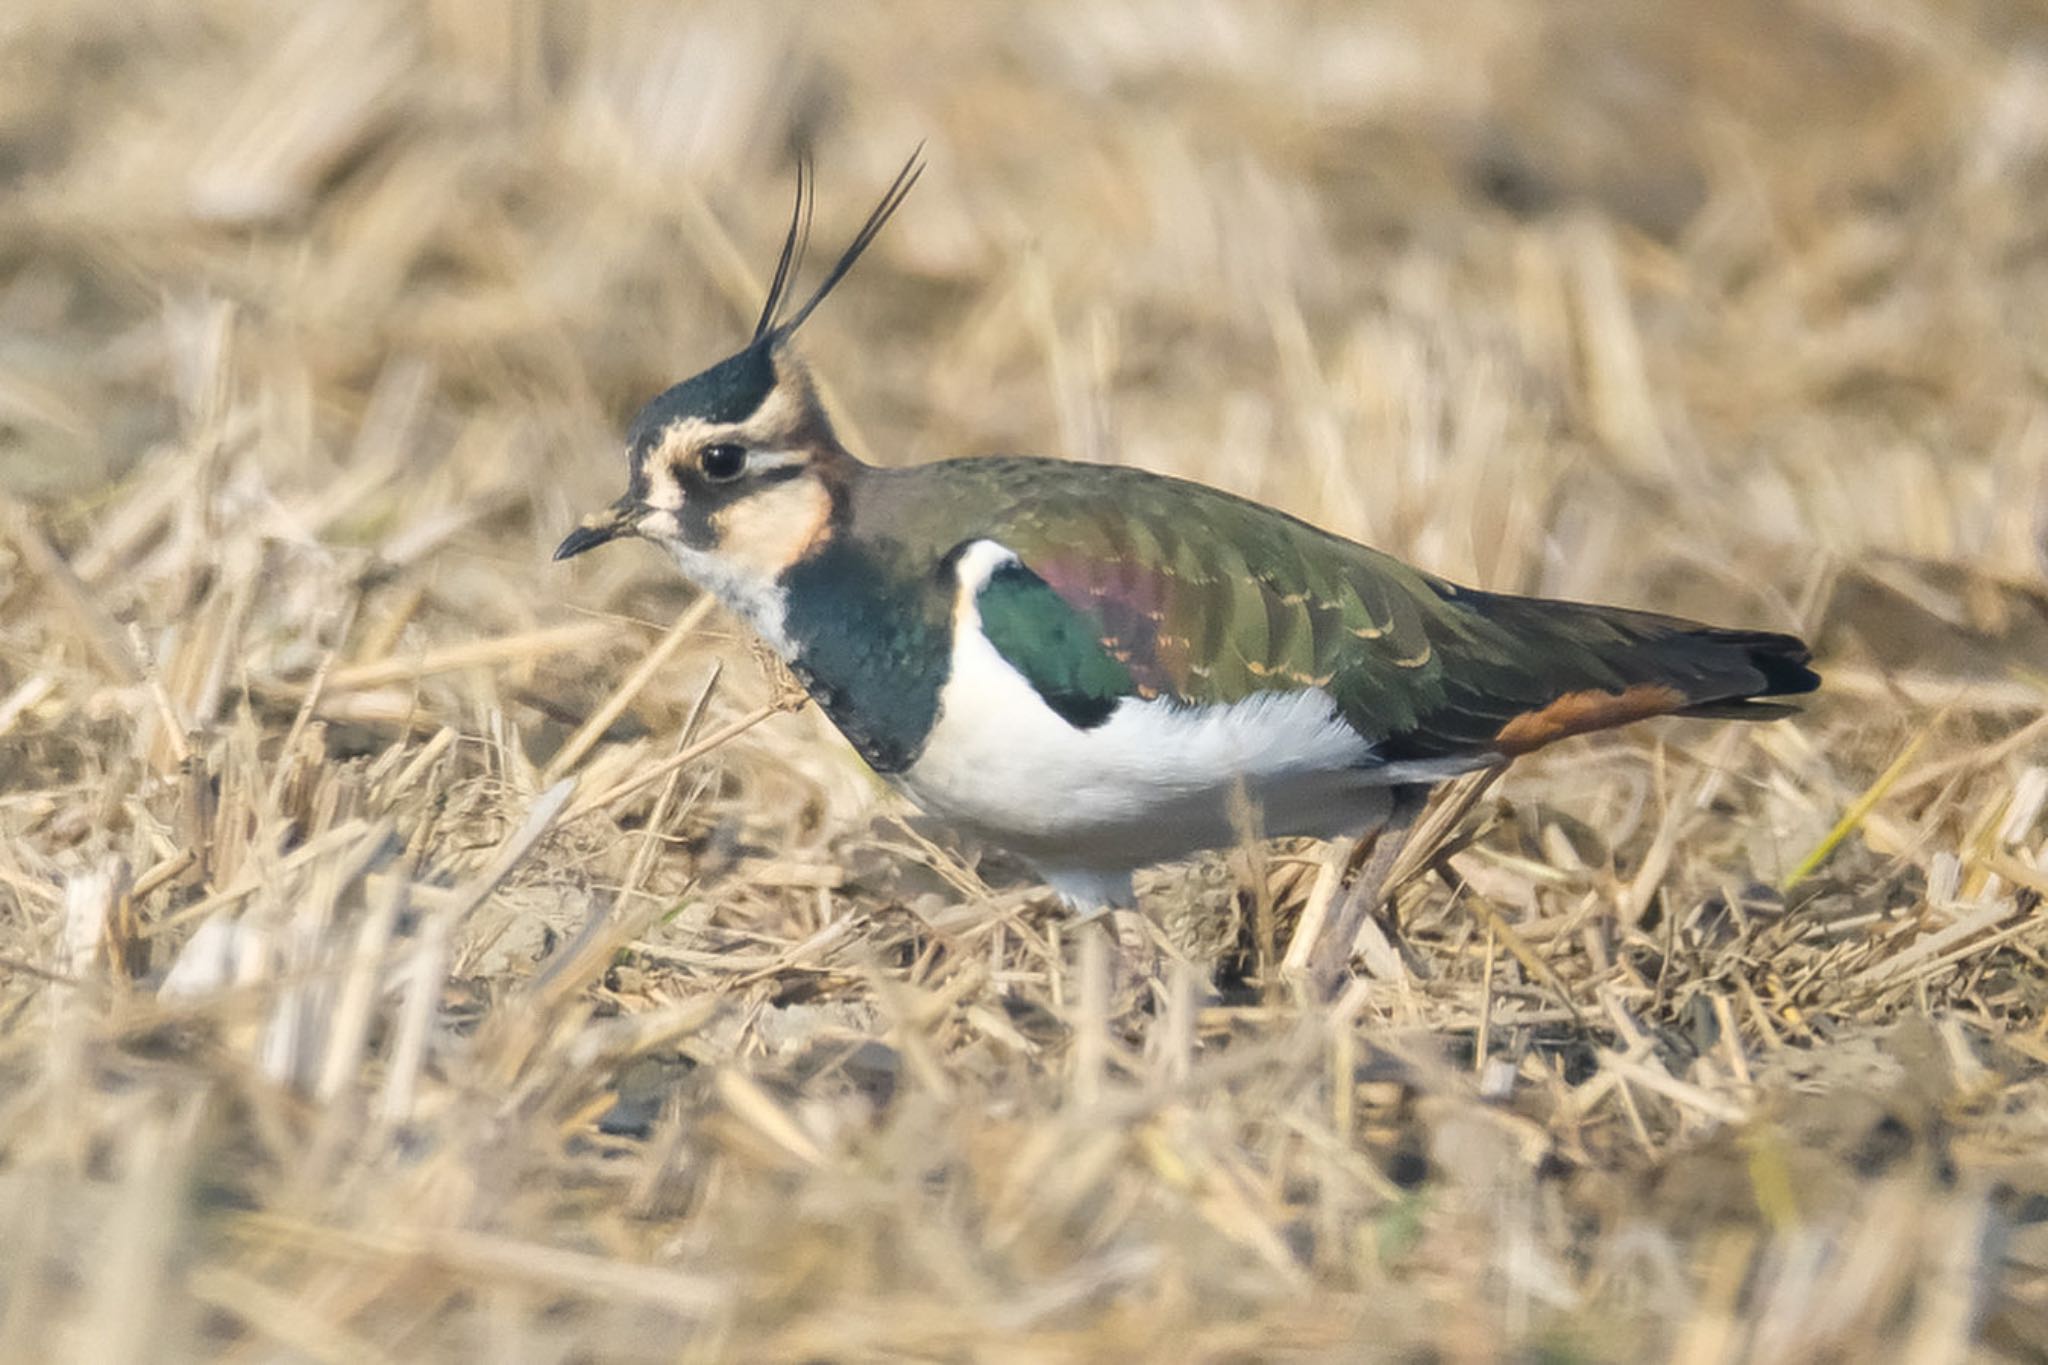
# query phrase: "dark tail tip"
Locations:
[[1782, 659]]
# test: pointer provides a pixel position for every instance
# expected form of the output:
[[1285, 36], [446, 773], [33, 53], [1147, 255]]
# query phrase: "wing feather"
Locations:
[[1173, 590]]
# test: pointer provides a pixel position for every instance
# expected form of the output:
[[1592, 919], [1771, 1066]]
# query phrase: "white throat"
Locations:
[[747, 592]]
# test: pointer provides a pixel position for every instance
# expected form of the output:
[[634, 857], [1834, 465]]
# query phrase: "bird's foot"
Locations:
[[1139, 962]]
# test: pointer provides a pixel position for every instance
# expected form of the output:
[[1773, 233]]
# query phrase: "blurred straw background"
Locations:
[[337, 1027]]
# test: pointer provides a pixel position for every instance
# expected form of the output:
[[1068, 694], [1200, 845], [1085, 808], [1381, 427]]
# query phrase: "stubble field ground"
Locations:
[[333, 1027]]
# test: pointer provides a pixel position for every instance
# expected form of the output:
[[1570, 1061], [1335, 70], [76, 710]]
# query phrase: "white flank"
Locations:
[[1153, 782]]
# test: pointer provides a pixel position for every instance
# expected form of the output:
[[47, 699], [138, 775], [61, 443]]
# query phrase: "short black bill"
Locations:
[[588, 537], [620, 519]]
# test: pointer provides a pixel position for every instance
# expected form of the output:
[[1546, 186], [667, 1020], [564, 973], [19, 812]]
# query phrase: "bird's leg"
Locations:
[[1105, 902], [1332, 953], [1139, 961], [1135, 958]]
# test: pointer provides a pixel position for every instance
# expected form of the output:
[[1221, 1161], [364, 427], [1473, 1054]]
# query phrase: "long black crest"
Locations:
[[792, 248], [799, 232]]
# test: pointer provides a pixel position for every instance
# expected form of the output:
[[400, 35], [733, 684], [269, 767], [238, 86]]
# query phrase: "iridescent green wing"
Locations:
[[1206, 599], [1172, 590], [1059, 648]]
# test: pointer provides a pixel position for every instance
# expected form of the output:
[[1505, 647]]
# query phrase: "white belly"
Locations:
[[1154, 781]]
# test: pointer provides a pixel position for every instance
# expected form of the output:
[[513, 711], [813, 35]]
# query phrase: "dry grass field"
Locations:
[[413, 949]]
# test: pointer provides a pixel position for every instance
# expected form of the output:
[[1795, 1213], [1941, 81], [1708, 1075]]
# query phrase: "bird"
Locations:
[[1095, 666]]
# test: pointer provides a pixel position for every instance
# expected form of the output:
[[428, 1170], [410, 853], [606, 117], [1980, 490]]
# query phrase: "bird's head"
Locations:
[[734, 470]]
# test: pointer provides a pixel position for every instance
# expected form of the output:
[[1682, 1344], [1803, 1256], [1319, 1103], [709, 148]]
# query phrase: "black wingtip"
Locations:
[[1738, 710], [1783, 660]]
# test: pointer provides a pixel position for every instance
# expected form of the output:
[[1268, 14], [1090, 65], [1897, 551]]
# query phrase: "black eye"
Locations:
[[723, 461]]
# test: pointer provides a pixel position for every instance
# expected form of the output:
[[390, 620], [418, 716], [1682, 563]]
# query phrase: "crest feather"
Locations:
[[773, 332], [792, 259]]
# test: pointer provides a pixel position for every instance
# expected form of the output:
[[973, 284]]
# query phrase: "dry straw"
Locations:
[[412, 949]]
